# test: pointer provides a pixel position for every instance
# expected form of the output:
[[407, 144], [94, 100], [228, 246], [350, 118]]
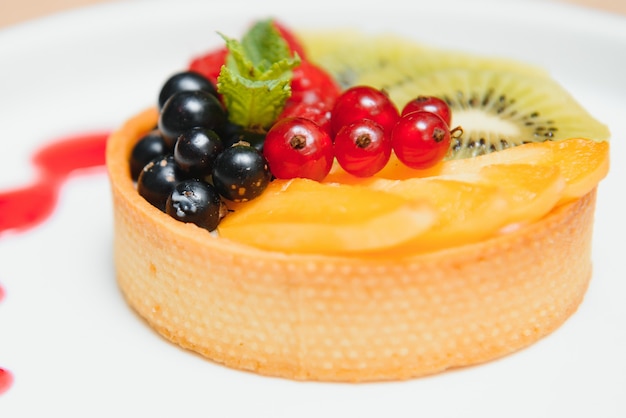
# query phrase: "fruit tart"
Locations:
[[351, 207]]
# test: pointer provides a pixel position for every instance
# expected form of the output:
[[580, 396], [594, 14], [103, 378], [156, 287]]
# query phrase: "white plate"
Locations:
[[75, 348]]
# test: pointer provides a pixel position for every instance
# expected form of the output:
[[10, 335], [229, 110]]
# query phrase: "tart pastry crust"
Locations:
[[309, 317]]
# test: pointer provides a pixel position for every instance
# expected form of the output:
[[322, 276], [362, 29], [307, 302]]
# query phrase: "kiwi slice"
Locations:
[[501, 109], [353, 57], [498, 103]]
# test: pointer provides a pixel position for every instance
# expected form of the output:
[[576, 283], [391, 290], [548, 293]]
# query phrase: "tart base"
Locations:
[[325, 318]]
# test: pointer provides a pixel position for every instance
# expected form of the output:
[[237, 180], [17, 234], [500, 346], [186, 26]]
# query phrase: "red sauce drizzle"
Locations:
[[6, 379], [27, 207]]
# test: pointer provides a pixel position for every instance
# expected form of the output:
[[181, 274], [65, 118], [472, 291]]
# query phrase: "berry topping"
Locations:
[[196, 150], [235, 133], [189, 109], [241, 173], [298, 147], [197, 202], [185, 81], [210, 64], [429, 104], [312, 84], [149, 147], [273, 114], [420, 139], [362, 148], [157, 180], [364, 102], [318, 112]]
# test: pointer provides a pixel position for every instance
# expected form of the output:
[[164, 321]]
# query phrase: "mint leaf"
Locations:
[[255, 83]]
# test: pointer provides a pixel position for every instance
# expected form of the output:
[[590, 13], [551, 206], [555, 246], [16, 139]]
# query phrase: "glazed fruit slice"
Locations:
[[582, 163], [472, 199], [461, 208], [531, 190], [305, 216], [473, 206], [396, 170], [304, 200]]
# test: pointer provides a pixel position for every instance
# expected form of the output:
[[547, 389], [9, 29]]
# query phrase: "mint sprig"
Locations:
[[255, 83]]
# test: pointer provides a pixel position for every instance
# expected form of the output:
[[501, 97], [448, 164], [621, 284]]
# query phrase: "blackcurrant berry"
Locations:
[[149, 147], [185, 81], [254, 138], [190, 109], [157, 180], [241, 173], [196, 150], [195, 201]]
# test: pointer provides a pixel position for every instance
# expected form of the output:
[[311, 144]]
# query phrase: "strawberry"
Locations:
[[313, 90], [311, 84], [209, 64], [292, 40]]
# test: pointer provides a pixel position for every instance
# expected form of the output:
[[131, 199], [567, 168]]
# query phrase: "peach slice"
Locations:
[[472, 199], [304, 200], [305, 216], [396, 170], [583, 163], [467, 212], [532, 190], [473, 206]]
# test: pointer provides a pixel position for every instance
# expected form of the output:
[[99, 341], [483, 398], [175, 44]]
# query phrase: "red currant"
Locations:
[[298, 147], [362, 148], [363, 102], [420, 139], [318, 112], [429, 104]]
